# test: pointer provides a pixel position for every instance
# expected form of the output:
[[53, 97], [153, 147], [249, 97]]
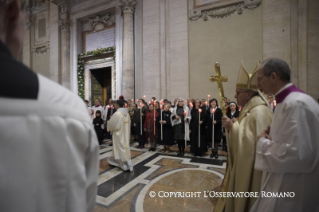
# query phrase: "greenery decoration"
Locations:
[[80, 64]]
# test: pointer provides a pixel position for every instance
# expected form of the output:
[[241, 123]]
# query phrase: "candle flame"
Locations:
[[161, 107], [208, 96], [125, 105], [213, 110], [275, 103], [199, 110]]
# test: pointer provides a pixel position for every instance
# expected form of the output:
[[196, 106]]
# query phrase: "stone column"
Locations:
[[64, 23], [128, 73]]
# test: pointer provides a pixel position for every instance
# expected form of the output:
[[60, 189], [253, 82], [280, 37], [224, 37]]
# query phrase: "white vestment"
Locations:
[[290, 162], [89, 110], [94, 108], [48, 152], [119, 125]]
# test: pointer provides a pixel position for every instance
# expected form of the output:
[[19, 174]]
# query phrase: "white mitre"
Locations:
[[245, 80]]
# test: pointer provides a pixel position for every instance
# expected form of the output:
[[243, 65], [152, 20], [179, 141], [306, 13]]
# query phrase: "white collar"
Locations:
[[283, 88]]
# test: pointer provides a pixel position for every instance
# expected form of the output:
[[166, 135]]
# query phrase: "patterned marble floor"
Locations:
[[156, 180]]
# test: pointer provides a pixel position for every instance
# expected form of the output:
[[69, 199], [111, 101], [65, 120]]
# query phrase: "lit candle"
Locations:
[[141, 122], [144, 96], [125, 105], [199, 112], [161, 107], [275, 103], [213, 112], [154, 118], [208, 96]]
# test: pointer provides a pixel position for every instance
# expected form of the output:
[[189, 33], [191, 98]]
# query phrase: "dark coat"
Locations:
[[109, 113], [98, 122], [236, 114], [194, 132], [168, 138], [217, 127]]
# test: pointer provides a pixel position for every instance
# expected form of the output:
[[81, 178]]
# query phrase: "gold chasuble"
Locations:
[[240, 175]]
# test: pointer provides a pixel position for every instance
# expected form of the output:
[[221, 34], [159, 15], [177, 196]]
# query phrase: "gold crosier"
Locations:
[[220, 79]]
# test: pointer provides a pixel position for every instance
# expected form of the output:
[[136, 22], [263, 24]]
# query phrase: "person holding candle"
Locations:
[[139, 120], [149, 126], [134, 133], [214, 124], [198, 143], [180, 124], [165, 121], [288, 149]]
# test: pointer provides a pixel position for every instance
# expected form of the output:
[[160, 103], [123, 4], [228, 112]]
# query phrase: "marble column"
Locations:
[[64, 23], [128, 73]]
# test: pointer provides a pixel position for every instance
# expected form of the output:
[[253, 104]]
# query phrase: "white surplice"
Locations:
[[119, 125], [94, 108], [48, 152], [290, 162]]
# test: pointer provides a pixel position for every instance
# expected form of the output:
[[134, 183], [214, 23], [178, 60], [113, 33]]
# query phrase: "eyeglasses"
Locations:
[[239, 92]]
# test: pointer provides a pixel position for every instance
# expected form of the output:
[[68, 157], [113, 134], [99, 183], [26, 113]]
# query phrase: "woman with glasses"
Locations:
[[180, 120]]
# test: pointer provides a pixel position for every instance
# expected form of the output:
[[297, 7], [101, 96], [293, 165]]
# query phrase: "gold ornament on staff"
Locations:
[[220, 79]]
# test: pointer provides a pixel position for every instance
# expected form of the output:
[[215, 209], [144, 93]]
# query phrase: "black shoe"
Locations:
[[150, 149], [212, 154], [179, 154], [153, 149], [216, 154], [182, 154], [111, 144]]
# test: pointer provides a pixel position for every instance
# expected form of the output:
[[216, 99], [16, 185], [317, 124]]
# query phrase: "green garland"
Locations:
[[81, 66]]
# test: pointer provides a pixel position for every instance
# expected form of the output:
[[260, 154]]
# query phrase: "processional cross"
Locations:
[[220, 79]]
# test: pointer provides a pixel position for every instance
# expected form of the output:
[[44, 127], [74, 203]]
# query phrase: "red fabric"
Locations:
[[150, 115]]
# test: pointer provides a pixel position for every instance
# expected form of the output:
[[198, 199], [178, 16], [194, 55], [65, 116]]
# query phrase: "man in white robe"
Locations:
[[288, 151], [97, 106], [48, 152], [119, 125]]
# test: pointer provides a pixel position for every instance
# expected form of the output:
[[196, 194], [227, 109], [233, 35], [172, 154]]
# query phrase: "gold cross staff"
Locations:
[[219, 79]]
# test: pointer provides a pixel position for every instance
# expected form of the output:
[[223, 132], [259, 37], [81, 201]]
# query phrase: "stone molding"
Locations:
[[224, 11], [99, 23], [127, 6]]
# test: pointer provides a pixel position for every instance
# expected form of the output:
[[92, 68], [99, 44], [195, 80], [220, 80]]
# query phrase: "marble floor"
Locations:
[[160, 181]]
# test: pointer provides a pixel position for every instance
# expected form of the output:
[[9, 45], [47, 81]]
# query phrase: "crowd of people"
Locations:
[[192, 121]]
